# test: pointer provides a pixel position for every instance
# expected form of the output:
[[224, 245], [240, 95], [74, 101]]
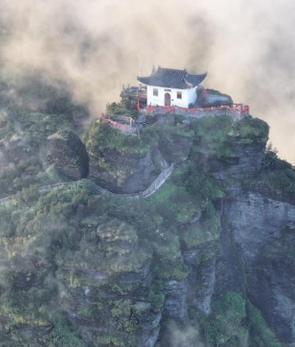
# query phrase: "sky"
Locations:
[[95, 46]]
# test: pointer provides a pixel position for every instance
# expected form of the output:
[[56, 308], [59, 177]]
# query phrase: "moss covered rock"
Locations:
[[121, 163], [68, 154], [230, 149]]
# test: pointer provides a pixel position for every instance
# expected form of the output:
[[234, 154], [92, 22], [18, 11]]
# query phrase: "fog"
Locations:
[[95, 46]]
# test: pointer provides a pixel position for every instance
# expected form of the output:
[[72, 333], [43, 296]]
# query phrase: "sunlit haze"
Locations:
[[247, 47]]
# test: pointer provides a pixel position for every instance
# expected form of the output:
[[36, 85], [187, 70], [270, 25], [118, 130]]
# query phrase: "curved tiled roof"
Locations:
[[172, 78]]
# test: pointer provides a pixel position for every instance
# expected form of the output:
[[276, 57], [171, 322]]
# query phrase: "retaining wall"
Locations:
[[236, 111]]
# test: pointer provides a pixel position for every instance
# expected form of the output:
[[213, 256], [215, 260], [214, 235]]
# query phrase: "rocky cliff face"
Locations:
[[257, 249], [208, 258]]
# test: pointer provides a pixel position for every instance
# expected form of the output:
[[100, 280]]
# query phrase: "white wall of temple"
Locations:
[[156, 96], [192, 95]]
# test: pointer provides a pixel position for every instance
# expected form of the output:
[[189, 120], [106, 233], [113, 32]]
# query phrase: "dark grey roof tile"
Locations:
[[172, 78]]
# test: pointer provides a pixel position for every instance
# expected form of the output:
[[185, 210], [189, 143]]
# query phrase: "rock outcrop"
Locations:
[[212, 98], [122, 163], [68, 154], [233, 151], [127, 173]]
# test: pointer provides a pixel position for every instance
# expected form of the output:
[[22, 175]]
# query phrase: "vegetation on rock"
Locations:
[[80, 267]]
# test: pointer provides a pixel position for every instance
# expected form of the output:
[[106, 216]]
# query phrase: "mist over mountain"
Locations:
[[144, 228], [95, 47]]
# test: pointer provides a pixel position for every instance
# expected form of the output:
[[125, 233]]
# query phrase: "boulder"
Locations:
[[67, 153], [212, 98]]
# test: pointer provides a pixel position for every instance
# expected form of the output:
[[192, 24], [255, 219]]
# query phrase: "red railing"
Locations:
[[240, 109], [114, 124]]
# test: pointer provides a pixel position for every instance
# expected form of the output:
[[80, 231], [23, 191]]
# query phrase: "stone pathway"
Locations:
[[154, 186]]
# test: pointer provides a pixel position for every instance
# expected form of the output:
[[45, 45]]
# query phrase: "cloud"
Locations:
[[176, 335], [95, 46]]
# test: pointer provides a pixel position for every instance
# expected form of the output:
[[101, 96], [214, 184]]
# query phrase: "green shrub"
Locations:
[[168, 261], [156, 296], [26, 305], [101, 137], [260, 333], [204, 188], [225, 324], [204, 231], [277, 173], [124, 107], [251, 129], [116, 339], [64, 335]]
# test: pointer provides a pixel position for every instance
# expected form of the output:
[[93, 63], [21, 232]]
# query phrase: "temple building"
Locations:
[[171, 87]]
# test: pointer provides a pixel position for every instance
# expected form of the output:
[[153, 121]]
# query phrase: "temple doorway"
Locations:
[[167, 99]]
